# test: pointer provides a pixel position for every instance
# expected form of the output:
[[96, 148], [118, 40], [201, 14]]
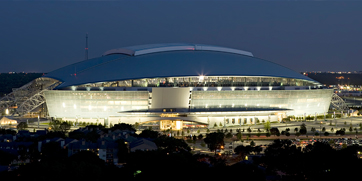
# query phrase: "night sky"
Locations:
[[42, 36]]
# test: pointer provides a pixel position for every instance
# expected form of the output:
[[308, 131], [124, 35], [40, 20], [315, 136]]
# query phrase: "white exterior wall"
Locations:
[[299, 101]]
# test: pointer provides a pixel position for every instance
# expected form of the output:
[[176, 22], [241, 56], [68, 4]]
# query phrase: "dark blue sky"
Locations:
[[314, 36]]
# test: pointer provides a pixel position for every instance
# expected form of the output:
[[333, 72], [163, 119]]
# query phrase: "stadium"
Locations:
[[172, 86]]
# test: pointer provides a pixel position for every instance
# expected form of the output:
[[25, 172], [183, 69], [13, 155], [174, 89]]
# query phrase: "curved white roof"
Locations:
[[158, 48], [169, 60]]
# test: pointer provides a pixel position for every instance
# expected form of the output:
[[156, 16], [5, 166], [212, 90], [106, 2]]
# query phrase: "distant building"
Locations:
[[7, 121]]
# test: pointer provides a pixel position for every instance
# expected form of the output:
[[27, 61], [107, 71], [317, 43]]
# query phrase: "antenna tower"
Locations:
[[86, 46]]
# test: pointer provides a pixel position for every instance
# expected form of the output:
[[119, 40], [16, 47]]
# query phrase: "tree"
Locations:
[[323, 129], [295, 129], [274, 131], [198, 131], [207, 130], [252, 143], [136, 125], [228, 135], [200, 136], [257, 149], [326, 133], [64, 127], [312, 129], [147, 133], [249, 130], [123, 126], [92, 136], [215, 125], [239, 136], [303, 129], [350, 129], [220, 124], [267, 126], [54, 125], [214, 141], [242, 150], [267, 134], [171, 144], [332, 130], [22, 126], [287, 134]]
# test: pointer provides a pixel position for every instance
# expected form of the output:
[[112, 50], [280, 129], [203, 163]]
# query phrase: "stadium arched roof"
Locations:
[[169, 60]]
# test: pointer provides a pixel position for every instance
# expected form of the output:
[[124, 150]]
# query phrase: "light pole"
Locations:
[[320, 130], [341, 114], [334, 117], [224, 121]]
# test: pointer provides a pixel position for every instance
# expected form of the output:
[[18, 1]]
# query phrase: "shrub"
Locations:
[[229, 135]]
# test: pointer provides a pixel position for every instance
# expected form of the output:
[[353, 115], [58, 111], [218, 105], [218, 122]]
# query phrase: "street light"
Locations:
[[320, 130]]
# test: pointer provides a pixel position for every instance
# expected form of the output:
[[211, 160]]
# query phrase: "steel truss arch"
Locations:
[[29, 96], [338, 103]]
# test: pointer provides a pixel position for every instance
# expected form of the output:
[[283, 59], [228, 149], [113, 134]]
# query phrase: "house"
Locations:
[[143, 145]]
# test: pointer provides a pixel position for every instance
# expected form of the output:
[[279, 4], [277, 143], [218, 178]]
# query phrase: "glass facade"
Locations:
[[94, 104], [301, 101], [205, 81], [104, 104]]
